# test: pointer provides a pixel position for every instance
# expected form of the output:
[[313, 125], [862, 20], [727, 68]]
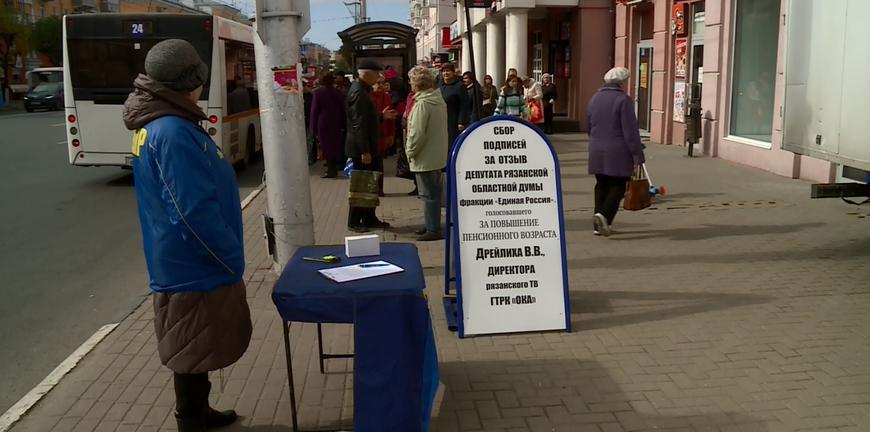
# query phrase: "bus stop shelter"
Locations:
[[386, 42]]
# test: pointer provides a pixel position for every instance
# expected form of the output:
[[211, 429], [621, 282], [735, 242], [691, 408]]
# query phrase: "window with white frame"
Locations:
[[753, 71], [538, 57]]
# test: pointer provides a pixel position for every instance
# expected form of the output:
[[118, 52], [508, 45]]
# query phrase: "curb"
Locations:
[[14, 413]]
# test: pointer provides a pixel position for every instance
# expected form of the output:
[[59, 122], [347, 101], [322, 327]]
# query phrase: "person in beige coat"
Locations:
[[426, 148]]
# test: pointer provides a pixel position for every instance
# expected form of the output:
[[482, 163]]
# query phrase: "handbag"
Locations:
[[403, 167], [637, 190], [363, 190], [536, 111]]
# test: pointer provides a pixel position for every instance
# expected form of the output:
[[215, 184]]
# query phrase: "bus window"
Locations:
[[241, 75], [100, 65]]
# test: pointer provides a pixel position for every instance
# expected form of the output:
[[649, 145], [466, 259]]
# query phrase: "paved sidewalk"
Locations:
[[736, 303]]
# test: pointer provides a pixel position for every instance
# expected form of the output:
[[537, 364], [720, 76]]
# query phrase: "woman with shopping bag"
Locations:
[[534, 100], [615, 150]]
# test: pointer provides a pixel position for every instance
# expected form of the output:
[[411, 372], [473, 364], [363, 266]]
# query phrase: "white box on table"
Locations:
[[362, 245]]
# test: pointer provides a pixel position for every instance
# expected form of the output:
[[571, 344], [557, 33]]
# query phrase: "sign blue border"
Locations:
[[451, 243]]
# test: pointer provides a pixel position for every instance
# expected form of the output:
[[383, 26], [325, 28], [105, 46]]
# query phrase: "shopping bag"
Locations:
[[637, 195], [348, 167], [536, 111], [363, 191]]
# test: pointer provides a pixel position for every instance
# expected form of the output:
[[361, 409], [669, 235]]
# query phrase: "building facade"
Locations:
[[726, 55], [431, 18], [559, 37]]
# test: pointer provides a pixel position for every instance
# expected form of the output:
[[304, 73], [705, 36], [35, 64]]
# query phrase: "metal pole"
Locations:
[[363, 11], [281, 114], [475, 103]]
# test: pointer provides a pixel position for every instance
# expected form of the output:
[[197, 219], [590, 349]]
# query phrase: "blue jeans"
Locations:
[[429, 185]]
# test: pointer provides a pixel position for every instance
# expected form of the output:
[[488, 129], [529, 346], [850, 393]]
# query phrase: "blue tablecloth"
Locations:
[[395, 361]]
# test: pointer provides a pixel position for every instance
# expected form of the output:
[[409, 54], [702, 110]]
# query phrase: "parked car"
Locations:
[[47, 95]]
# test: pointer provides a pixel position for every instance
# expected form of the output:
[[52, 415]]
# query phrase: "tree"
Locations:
[[14, 39], [46, 38]]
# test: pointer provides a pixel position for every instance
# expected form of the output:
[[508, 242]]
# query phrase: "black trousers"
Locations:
[[548, 118], [608, 195], [365, 216], [191, 395]]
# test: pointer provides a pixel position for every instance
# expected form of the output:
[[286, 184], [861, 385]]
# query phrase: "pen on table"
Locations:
[[373, 265]]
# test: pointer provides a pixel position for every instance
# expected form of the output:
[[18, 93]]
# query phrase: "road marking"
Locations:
[[32, 115], [30, 399]]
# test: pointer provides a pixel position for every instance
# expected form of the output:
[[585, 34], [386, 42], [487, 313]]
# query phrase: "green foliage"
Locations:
[[47, 38], [13, 31]]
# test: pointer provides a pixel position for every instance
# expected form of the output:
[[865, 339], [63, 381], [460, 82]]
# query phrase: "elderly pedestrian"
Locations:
[[328, 123], [191, 224], [510, 101], [615, 150], [426, 148], [548, 89], [361, 144], [456, 96]]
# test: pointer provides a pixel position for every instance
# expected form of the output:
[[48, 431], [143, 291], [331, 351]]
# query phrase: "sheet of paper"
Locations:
[[360, 271]]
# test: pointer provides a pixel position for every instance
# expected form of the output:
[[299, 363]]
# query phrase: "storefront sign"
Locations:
[[446, 37], [644, 75], [478, 4], [678, 19], [680, 58], [454, 31], [680, 101], [507, 232]]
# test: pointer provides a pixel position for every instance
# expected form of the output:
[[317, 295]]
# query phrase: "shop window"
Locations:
[[753, 73]]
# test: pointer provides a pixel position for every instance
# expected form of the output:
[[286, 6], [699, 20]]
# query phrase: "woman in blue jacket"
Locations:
[[191, 222]]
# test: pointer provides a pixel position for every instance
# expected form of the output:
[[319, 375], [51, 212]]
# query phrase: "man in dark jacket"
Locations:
[[361, 144], [456, 97], [475, 95], [191, 224]]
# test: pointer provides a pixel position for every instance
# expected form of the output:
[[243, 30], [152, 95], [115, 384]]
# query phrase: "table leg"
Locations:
[[286, 326], [320, 345]]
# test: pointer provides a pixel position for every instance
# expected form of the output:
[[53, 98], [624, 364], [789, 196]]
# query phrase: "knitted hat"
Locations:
[[176, 64]]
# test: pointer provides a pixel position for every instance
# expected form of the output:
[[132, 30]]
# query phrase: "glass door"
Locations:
[[643, 86]]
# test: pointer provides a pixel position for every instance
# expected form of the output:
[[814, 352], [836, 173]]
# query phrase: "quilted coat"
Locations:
[[191, 223]]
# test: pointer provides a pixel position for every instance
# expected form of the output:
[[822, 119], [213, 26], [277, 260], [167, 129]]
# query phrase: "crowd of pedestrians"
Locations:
[[382, 114]]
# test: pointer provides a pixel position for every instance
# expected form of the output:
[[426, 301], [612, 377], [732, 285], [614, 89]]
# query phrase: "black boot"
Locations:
[[215, 419], [190, 424]]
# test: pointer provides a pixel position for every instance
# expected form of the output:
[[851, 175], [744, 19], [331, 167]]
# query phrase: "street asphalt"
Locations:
[[71, 258]]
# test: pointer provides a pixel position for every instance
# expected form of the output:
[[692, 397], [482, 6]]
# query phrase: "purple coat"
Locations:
[[614, 139], [328, 121]]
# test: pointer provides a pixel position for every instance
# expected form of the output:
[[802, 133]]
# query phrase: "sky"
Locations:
[[329, 17]]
